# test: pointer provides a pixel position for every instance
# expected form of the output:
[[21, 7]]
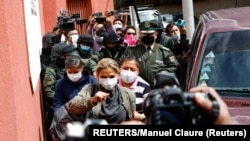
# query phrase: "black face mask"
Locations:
[[148, 40]]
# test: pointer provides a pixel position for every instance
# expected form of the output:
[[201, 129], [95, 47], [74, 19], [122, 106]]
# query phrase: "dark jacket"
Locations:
[[52, 73], [45, 60], [66, 89]]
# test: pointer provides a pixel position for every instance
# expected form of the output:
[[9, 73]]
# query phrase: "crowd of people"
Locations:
[[120, 62]]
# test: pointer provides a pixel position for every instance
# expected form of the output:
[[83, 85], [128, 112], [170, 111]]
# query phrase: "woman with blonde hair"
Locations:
[[110, 101]]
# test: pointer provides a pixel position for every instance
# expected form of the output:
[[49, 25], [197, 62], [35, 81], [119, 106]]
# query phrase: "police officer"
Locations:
[[152, 56]]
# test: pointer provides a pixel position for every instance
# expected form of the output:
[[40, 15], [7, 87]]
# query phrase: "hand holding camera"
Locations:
[[170, 105], [223, 115], [109, 13]]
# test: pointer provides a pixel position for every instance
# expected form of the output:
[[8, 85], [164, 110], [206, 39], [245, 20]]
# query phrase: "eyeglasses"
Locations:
[[130, 33]]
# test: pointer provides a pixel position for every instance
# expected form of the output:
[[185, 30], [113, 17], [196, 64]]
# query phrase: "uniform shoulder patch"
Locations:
[[172, 58]]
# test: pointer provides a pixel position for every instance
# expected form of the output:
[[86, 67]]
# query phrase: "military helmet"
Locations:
[[85, 38], [49, 39], [60, 49], [110, 37]]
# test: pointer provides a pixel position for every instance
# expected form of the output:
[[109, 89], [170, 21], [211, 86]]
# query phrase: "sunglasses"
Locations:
[[130, 33]]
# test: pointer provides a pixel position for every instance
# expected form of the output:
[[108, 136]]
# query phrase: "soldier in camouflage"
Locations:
[[153, 57], [112, 48], [85, 51], [56, 69], [53, 72]]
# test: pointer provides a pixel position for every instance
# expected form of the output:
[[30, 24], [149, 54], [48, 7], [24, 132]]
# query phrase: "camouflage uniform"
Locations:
[[88, 63], [86, 40], [52, 74], [110, 52], [107, 53]]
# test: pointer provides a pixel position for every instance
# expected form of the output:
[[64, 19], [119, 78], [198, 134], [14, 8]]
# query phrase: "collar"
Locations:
[[152, 46]]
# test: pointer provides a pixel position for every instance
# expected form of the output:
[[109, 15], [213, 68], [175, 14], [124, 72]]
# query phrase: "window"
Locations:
[[225, 63]]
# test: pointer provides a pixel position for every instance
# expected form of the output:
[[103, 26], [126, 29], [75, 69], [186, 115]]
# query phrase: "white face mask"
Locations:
[[74, 39], [74, 77], [63, 39], [108, 83], [128, 76], [176, 37]]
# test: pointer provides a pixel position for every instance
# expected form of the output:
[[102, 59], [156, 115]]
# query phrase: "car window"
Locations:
[[225, 61]]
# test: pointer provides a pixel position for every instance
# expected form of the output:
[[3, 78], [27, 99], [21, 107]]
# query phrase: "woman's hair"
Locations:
[[73, 61], [169, 28], [129, 27], [107, 63], [131, 58]]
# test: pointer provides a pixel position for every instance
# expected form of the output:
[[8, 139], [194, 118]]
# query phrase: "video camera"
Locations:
[[170, 105], [97, 14], [100, 19], [68, 22]]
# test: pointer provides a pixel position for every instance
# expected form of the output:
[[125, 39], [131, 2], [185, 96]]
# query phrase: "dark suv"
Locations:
[[220, 58]]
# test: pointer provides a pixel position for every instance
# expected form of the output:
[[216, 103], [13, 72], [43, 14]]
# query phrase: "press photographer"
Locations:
[[170, 105], [68, 25]]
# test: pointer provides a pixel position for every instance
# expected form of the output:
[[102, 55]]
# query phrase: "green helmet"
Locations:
[[60, 49]]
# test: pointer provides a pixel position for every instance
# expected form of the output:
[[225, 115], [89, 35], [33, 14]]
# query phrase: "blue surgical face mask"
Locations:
[[116, 26], [84, 48]]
